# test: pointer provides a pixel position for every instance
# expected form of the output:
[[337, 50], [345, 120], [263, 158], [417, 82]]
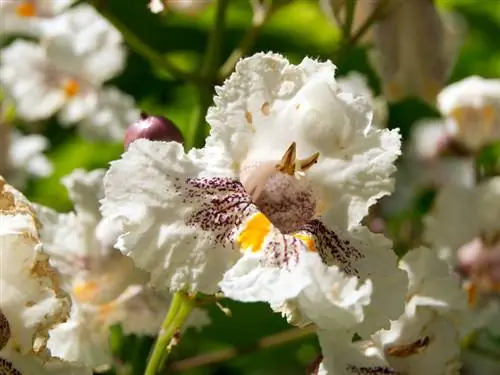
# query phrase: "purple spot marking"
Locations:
[[224, 205], [332, 248]]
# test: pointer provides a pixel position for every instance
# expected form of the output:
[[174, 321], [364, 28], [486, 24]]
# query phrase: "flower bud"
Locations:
[[154, 128], [415, 49]]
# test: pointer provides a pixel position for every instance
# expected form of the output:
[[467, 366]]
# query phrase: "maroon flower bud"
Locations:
[[155, 128]]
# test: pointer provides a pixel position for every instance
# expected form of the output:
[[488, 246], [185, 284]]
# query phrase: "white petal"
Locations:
[[268, 103], [341, 357], [12, 362], [114, 113], [420, 343], [432, 282], [31, 300], [83, 338], [85, 190], [179, 213], [453, 221]]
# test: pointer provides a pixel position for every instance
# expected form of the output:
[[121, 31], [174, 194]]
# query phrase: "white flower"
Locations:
[[423, 166], [114, 113], [407, 29], [27, 16], [24, 156], [462, 213], [472, 109], [423, 340], [292, 162], [31, 302], [357, 84], [191, 7], [105, 286], [65, 72]]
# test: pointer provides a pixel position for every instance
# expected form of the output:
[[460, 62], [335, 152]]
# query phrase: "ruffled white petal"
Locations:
[[15, 363], [31, 299], [342, 286], [178, 213], [269, 103], [419, 343]]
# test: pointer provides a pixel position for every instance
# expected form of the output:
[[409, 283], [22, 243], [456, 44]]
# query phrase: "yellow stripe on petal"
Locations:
[[253, 235], [85, 291], [26, 9], [308, 241]]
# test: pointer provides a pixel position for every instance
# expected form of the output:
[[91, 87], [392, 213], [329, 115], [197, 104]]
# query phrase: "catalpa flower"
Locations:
[[291, 165], [105, 286], [65, 72], [31, 302], [423, 340], [472, 120], [28, 16]]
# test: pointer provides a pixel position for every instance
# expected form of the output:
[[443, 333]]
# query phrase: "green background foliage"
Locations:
[[296, 30]]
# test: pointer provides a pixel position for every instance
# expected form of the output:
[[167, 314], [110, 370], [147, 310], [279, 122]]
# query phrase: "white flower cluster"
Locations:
[[271, 210], [64, 72], [442, 151]]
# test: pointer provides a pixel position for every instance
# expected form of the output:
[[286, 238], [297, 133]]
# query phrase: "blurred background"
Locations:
[[239, 344]]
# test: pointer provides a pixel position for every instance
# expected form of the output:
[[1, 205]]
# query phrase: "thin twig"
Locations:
[[141, 47], [223, 355], [209, 73], [259, 19]]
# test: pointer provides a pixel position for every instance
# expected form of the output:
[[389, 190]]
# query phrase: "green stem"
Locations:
[[246, 43], [350, 8], [180, 308], [209, 73], [351, 41], [141, 47]]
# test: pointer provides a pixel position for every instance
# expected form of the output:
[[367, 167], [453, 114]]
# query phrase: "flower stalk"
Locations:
[[180, 308], [211, 61]]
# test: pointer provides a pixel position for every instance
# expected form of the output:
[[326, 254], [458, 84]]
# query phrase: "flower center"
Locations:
[[71, 87], [26, 9], [279, 190]]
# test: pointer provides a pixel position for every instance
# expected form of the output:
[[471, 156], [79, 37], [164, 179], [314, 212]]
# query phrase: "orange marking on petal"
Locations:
[[85, 291], [471, 290], [256, 230], [71, 87], [307, 240], [26, 10]]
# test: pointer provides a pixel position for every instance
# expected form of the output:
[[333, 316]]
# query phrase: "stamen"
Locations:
[[287, 163], [307, 163], [26, 9], [71, 87]]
